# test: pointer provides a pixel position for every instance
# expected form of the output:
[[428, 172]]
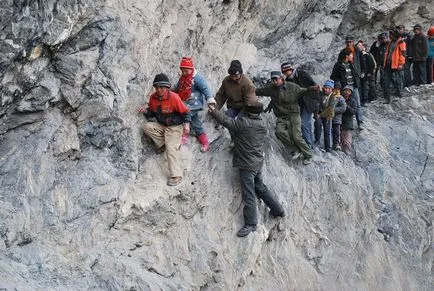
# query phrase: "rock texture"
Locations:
[[83, 200]]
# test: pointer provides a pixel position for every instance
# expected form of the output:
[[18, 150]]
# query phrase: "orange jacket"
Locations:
[[398, 55]]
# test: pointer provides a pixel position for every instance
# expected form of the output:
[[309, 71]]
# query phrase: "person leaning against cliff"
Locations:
[[193, 90], [248, 156], [235, 91], [172, 120], [284, 103]]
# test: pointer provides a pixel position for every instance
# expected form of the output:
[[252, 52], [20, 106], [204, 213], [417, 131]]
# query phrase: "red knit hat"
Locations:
[[431, 31], [187, 63]]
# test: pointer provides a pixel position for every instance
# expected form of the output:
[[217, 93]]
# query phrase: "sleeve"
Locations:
[[220, 96], [340, 106], [226, 121], [203, 87], [351, 107], [264, 91], [182, 109], [249, 93]]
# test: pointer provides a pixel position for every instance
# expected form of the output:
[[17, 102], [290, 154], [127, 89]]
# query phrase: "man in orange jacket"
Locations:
[[394, 61], [172, 120]]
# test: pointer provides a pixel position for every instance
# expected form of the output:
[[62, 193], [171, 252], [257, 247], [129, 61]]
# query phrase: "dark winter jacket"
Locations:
[[378, 52], [235, 93], [348, 115], [309, 100], [249, 133], [284, 99], [340, 108], [419, 48], [339, 75], [367, 64]]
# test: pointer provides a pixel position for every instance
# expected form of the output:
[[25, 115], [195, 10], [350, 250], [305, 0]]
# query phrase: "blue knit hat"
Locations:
[[329, 83]]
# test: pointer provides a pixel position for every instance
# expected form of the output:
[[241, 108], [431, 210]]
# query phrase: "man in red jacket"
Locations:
[[172, 120]]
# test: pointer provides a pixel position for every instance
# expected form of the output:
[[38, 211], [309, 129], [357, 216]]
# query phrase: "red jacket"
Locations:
[[169, 109], [398, 56]]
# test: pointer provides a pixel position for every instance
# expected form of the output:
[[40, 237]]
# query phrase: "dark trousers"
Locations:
[[429, 70], [369, 92], [394, 77], [323, 125], [419, 72], [252, 186], [408, 80], [336, 135]]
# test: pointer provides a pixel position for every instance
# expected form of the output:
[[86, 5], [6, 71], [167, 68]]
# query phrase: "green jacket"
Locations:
[[235, 93], [284, 99], [249, 139]]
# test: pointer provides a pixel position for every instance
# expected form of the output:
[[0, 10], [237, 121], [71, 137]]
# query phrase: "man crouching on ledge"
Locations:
[[248, 155]]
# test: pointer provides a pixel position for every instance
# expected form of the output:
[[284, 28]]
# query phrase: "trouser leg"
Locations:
[[156, 132], [327, 126], [247, 179], [336, 135], [306, 126], [196, 123], [346, 141], [295, 134], [172, 138], [265, 194], [317, 129], [282, 133], [359, 115]]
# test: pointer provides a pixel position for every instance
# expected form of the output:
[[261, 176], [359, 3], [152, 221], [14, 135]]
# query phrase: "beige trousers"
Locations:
[[171, 137]]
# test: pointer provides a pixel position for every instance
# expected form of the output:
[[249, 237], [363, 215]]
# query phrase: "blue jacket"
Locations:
[[201, 92], [340, 108], [431, 48]]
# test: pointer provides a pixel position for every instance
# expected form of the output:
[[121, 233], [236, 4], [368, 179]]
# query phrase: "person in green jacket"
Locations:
[[284, 103]]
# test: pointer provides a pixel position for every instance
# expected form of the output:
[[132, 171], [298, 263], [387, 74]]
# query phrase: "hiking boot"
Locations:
[[160, 150], [173, 181], [203, 139], [277, 215], [307, 161], [296, 156], [246, 229]]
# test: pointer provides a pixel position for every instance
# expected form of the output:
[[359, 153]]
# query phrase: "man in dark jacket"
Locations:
[[284, 102], [309, 102], [248, 156], [378, 49], [367, 66], [419, 52]]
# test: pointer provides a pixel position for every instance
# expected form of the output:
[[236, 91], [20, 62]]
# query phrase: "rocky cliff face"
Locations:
[[83, 198]]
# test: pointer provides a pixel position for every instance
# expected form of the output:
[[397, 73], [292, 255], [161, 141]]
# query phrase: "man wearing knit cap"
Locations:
[[194, 90], [419, 52], [236, 91], [250, 132], [172, 120], [309, 102], [284, 100]]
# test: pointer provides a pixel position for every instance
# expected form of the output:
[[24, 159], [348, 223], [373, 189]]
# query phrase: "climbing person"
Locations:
[[194, 90], [394, 61], [347, 120], [236, 91], [248, 156], [172, 120], [340, 108], [324, 117], [309, 101], [284, 103]]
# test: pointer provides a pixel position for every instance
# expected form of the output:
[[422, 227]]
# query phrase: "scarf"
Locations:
[[185, 86]]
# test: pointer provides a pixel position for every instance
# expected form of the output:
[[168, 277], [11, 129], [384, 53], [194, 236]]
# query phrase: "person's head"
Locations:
[[345, 56], [347, 91], [400, 28], [349, 41], [394, 34], [277, 78], [287, 69], [417, 29], [235, 70], [186, 66], [430, 32], [328, 87], [361, 45], [337, 88], [254, 107], [161, 84], [383, 37]]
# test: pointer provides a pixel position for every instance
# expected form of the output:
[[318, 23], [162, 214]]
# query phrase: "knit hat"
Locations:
[[187, 63], [286, 66], [276, 74], [161, 80], [417, 26], [349, 38], [348, 87], [329, 83], [235, 68], [255, 107], [431, 31]]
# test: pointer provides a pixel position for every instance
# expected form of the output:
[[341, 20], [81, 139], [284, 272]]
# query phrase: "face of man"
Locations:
[[327, 90], [288, 73], [277, 81], [416, 31], [186, 71], [235, 77], [349, 43], [350, 58], [161, 91], [360, 46]]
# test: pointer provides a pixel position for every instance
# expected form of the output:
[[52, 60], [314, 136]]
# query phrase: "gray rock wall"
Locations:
[[83, 198]]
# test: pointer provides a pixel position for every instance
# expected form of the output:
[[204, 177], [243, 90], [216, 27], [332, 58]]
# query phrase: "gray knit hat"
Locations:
[[161, 80]]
